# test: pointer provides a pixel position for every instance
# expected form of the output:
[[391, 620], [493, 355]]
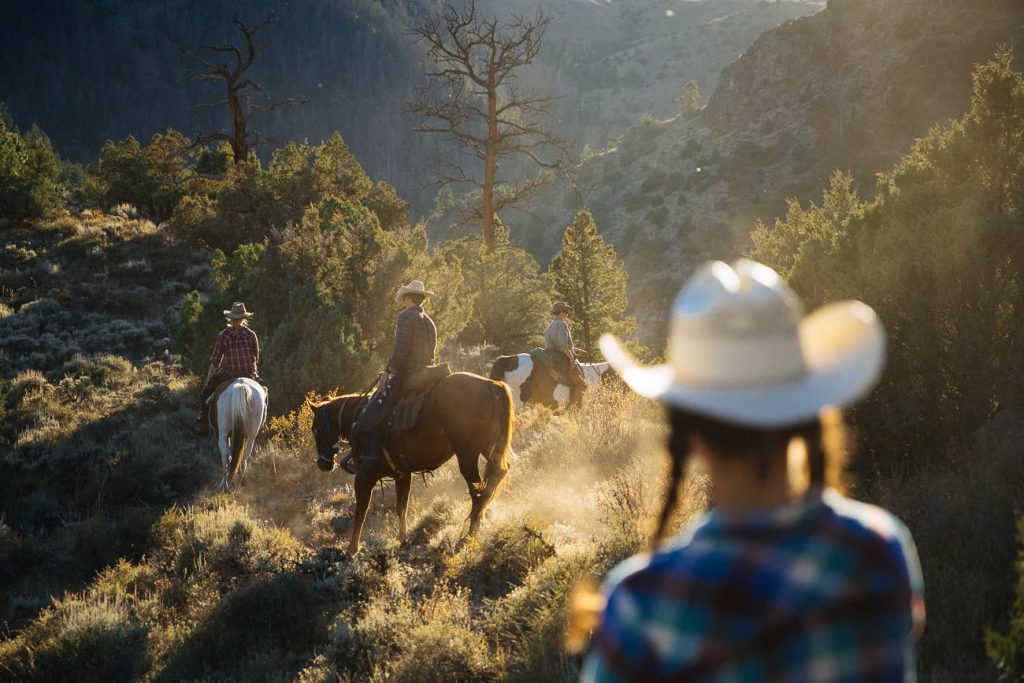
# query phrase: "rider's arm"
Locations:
[[403, 343], [562, 339], [215, 359]]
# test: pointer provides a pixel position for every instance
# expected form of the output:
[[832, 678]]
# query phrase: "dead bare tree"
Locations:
[[232, 69], [472, 98]]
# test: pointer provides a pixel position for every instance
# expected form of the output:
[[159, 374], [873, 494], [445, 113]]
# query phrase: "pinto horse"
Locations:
[[241, 412], [464, 415], [532, 384]]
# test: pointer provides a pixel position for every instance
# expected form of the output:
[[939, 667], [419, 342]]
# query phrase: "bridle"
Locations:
[[325, 457]]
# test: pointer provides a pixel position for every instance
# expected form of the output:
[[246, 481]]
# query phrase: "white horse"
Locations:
[[241, 412], [518, 370]]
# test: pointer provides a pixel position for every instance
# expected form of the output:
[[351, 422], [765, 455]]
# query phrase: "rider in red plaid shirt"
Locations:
[[235, 354]]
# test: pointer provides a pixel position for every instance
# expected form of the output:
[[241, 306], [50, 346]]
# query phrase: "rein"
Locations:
[[326, 421]]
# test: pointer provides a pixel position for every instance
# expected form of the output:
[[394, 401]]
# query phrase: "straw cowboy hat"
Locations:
[[562, 306], [237, 312], [741, 350], [414, 287]]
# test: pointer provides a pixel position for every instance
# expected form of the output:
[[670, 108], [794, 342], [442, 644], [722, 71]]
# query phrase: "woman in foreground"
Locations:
[[785, 579]]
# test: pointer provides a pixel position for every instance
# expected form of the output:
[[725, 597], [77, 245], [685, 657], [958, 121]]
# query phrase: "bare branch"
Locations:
[[239, 89], [471, 99]]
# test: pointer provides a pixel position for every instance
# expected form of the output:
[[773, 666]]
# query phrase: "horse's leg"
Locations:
[[364, 490], [403, 486], [250, 446], [469, 467], [222, 443]]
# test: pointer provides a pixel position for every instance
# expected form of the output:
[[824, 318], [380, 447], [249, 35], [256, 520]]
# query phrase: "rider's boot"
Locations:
[[369, 454], [202, 424]]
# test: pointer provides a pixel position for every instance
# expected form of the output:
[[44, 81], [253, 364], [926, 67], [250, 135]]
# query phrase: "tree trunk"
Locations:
[[490, 163], [238, 144]]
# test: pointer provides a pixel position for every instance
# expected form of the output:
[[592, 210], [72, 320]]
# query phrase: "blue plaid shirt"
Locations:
[[826, 590]]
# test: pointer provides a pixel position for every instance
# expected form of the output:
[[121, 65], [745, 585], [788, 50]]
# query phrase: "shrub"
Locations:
[[491, 566], [79, 639], [270, 626]]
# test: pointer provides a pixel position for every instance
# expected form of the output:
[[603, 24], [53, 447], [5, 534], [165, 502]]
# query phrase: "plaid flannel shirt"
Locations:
[[828, 590], [415, 341], [237, 351]]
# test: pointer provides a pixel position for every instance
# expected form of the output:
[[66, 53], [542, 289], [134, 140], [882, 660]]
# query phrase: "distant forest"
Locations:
[[101, 70]]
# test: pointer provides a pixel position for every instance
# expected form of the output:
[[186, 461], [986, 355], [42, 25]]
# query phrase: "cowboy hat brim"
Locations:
[[237, 316], [408, 290], [844, 351]]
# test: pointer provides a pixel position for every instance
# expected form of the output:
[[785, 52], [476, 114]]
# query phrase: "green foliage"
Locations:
[[250, 203], [590, 277], [689, 99], [505, 291], [29, 173], [323, 296], [152, 178], [938, 253]]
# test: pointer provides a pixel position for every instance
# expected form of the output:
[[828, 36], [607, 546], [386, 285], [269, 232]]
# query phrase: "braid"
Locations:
[[679, 450], [671, 497]]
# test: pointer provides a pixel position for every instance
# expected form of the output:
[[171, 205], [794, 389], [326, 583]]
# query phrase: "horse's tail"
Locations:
[[501, 442], [241, 403]]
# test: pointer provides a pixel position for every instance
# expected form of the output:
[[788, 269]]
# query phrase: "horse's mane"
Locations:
[[348, 406]]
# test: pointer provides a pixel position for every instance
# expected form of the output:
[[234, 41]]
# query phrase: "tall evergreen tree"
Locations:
[[590, 277]]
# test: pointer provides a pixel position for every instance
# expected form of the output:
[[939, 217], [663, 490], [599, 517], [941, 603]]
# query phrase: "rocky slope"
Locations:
[[847, 88]]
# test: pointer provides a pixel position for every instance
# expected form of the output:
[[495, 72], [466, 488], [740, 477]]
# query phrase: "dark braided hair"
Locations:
[[824, 440]]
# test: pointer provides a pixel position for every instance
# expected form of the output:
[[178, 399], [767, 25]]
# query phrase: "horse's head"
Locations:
[[325, 436]]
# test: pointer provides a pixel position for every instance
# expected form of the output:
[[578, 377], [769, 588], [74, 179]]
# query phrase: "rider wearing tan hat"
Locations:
[[415, 348], [236, 353], [558, 344], [785, 579]]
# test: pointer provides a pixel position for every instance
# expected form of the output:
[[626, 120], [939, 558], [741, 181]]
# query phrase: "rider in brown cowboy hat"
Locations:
[[415, 346], [235, 354], [558, 343]]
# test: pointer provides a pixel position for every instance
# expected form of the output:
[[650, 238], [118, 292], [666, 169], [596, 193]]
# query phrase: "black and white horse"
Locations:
[[531, 384]]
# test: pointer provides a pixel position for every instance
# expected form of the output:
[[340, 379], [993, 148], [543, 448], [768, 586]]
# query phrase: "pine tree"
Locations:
[[589, 276]]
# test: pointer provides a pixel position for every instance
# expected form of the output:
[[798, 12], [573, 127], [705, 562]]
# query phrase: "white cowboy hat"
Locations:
[[740, 350], [237, 312], [414, 287]]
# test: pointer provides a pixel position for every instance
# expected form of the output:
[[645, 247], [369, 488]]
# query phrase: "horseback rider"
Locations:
[[235, 354], [558, 344], [415, 346]]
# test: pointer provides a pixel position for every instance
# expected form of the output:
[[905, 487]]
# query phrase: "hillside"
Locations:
[[116, 70], [849, 88], [120, 561]]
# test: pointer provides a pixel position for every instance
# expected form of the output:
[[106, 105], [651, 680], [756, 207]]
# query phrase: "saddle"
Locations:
[[217, 391], [574, 378], [414, 393]]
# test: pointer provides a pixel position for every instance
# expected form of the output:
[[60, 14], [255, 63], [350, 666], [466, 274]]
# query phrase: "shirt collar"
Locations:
[[793, 516]]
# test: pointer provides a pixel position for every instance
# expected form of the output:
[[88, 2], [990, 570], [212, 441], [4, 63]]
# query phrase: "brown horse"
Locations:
[[463, 415]]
